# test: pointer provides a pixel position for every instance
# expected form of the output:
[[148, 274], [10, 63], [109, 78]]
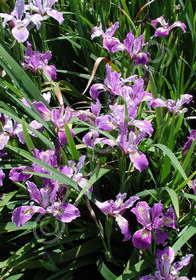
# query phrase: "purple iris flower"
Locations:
[[165, 28], [167, 271], [2, 176], [46, 198], [152, 219], [133, 47], [175, 107], [73, 171], [19, 23], [172, 105], [112, 44], [113, 83], [59, 117], [44, 8], [117, 209], [18, 174], [36, 61], [193, 186], [129, 147], [11, 129], [188, 144]]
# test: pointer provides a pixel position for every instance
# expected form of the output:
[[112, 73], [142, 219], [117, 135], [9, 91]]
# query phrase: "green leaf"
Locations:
[[6, 199], [105, 272], [27, 137], [186, 235], [134, 271], [58, 176], [71, 143], [174, 200], [173, 159]]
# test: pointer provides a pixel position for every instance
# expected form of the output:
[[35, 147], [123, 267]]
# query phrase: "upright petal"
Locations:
[[34, 192]]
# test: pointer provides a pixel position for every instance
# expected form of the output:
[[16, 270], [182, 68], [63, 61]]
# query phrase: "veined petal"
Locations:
[[64, 212], [142, 239], [139, 160], [56, 15], [24, 213], [105, 207], [96, 89], [20, 33], [124, 227], [161, 31], [142, 212], [34, 192], [17, 175]]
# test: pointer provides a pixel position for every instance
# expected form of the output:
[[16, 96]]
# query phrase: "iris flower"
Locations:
[[46, 198], [165, 27], [117, 209], [167, 271], [152, 219], [36, 61]]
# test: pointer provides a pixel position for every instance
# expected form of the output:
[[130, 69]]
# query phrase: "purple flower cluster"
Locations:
[[131, 46], [35, 12], [36, 61], [167, 270]]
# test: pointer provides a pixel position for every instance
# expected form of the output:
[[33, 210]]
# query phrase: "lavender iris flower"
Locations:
[[152, 219], [172, 105], [112, 44], [36, 61], [165, 28], [117, 209], [113, 83], [44, 7], [133, 47], [11, 129], [129, 147], [167, 271], [188, 144], [19, 23], [46, 198], [2, 176]]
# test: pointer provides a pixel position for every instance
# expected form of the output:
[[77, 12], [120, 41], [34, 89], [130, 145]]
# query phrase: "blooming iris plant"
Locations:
[[36, 61], [20, 20], [49, 203], [44, 8], [116, 209], [152, 220], [165, 27], [22, 15], [131, 45], [167, 270]]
